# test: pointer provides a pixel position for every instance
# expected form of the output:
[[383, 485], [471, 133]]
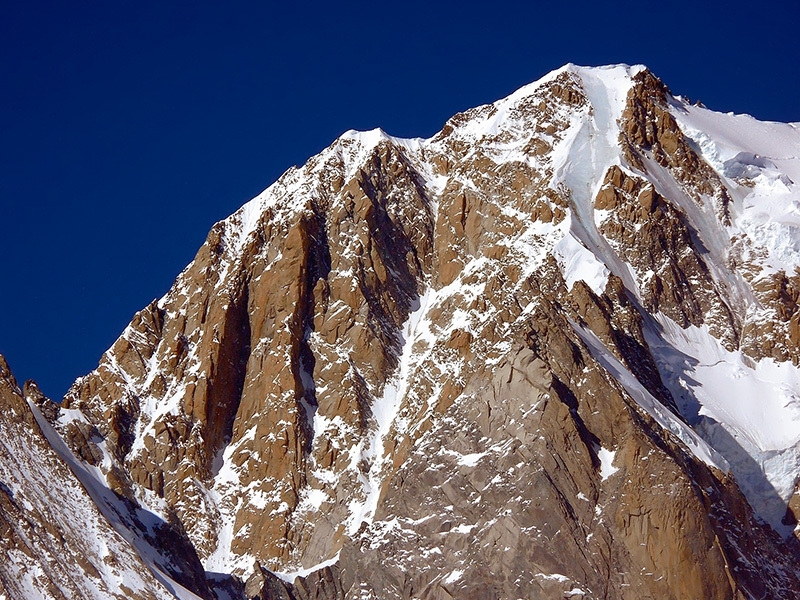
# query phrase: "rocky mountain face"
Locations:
[[550, 352]]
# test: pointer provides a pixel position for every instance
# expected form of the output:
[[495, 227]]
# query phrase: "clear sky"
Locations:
[[128, 128]]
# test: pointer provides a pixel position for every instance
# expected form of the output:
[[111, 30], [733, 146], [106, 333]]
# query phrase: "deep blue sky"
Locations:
[[128, 128]]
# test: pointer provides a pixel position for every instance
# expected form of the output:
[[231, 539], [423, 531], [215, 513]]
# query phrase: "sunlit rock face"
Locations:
[[550, 351]]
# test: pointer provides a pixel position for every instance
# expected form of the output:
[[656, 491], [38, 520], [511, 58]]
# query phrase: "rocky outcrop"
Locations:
[[757, 317], [650, 131], [512, 493], [241, 367], [654, 237]]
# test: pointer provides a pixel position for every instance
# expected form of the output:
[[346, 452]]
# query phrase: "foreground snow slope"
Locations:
[[56, 543]]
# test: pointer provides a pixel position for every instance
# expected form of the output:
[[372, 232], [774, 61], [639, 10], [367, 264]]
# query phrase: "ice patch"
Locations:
[[312, 500], [290, 576], [607, 468], [470, 460], [453, 577], [554, 577]]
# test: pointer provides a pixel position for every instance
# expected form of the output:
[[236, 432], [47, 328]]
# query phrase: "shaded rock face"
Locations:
[[455, 368]]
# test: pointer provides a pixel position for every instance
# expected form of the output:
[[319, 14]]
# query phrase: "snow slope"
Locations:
[[112, 509]]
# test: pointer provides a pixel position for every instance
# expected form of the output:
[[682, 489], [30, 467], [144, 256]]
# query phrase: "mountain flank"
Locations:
[[551, 351]]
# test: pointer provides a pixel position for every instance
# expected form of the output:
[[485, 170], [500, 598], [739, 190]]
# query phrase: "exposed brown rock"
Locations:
[[648, 127], [654, 237]]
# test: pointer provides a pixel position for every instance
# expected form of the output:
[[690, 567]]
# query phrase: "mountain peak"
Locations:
[[616, 78], [409, 364], [612, 76], [613, 70]]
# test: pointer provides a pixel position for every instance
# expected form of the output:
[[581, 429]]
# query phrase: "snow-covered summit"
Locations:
[[611, 76]]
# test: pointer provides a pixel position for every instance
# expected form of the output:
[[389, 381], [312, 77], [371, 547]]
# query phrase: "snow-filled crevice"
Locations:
[[384, 411], [582, 159]]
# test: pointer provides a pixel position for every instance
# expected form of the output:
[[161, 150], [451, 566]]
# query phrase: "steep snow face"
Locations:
[[760, 163], [582, 158], [116, 514], [749, 412], [56, 543], [579, 264]]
